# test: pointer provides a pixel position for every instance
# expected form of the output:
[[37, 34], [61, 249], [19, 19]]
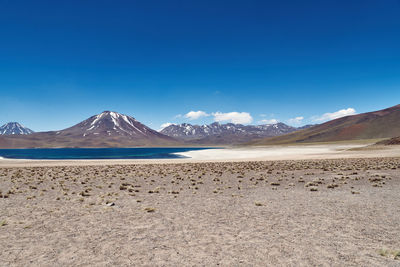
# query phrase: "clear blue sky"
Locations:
[[63, 61]]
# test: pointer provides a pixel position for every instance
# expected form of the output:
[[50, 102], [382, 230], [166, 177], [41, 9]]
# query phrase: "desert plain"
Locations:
[[331, 206]]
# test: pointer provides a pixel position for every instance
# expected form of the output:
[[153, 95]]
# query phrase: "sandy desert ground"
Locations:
[[310, 212]]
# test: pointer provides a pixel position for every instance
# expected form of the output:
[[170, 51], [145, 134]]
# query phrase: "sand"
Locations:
[[312, 212], [273, 152]]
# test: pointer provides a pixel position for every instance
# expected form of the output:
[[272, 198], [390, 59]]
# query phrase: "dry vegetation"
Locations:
[[313, 212]]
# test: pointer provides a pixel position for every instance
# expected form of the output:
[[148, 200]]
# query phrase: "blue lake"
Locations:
[[95, 153]]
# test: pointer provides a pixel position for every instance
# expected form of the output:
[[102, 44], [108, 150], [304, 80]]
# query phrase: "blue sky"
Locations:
[[242, 61]]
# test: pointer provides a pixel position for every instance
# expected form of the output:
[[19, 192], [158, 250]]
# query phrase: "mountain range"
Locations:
[[107, 129], [228, 133], [112, 129]]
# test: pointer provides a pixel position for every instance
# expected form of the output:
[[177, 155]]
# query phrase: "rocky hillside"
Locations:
[[371, 125], [390, 142]]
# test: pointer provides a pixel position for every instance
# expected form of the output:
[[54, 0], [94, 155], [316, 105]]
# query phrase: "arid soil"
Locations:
[[333, 212]]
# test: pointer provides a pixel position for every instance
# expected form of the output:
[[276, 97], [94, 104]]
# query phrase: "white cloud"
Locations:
[[165, 125], [271, 121], [335, 115], [194, 115], [234, 117], [296, 120]]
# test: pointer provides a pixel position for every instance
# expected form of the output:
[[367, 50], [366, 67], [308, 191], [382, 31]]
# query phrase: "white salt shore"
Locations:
[[268, 153]]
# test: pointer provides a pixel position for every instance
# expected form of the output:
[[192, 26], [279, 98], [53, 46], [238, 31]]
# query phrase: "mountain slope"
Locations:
[[12, 128], [378, 124], [229, 133], [109, 123], [390, 142], [107, 129]]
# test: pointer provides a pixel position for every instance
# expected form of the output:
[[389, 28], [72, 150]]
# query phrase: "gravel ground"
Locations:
[[333, 212]]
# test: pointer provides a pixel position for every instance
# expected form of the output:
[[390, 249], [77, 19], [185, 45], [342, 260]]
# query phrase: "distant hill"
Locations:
[[372, 125], [107, 129], [229, 133], [389, 142], [14, 128]]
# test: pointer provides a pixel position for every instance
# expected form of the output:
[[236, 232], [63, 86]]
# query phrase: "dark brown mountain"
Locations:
[[390, 142], [372, 125], [107, 129]]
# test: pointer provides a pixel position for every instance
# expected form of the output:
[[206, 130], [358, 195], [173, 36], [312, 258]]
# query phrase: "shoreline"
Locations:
[[267, 153]]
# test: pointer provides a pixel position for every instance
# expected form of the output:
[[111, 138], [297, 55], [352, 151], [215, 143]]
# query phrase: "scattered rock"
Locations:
[[150, 209]]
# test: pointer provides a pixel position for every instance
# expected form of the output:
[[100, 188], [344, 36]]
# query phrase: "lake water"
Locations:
[[95, 153]]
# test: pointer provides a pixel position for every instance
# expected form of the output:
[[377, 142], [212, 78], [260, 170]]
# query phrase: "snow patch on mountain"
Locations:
[[112, 124], [191, 132]]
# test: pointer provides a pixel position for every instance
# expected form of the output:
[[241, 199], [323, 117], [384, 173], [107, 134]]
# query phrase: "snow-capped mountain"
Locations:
[[14, 128], [107, 129], [230, 131], [110, 123]]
